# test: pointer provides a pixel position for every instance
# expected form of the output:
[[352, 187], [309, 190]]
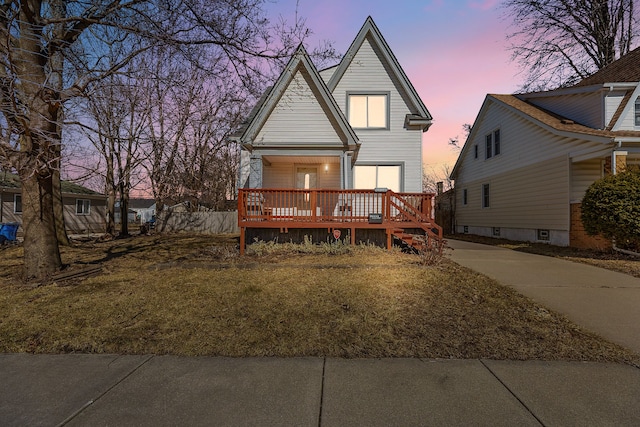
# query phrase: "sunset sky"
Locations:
[[454, 53]]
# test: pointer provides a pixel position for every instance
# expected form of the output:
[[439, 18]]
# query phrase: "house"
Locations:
[[140, 210], [529, 158], [84, 209], [324, 135]]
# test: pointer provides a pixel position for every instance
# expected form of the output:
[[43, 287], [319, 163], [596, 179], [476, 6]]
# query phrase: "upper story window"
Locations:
[[465, 196], [637, 111], [17, 203], [475, 151], [492, 144], [368, 111], [83, 207]]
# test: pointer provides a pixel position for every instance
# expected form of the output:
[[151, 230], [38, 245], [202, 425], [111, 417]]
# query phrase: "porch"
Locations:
[[353, 210]]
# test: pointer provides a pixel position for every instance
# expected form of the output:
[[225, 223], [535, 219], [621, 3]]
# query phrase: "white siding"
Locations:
[[522, 144], [583, 174], [611, 103], [628, 120], [536, 196], [585, 108], [395, 145], [298, 119]]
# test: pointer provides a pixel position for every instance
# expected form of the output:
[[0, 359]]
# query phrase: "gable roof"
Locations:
[[544, 118], [12, 181], [260, 114], [369, 29], [625, 69]]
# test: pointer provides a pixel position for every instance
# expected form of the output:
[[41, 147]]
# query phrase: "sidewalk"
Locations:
[[603, 301], [100, 390]]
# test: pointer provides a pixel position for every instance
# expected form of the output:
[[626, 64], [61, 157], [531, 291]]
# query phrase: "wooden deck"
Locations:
[[381, 209]]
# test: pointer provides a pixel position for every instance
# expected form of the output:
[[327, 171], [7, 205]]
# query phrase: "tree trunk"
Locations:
[[58, 209], [42, 255], [124, 210]]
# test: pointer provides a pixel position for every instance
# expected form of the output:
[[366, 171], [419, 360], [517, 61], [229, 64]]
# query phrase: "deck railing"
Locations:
[[328, 206], [336, 209]]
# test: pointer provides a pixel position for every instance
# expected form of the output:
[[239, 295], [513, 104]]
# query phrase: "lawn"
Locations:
[[193, 295]]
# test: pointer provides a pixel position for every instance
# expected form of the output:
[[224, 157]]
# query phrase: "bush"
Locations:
[[611, 207]]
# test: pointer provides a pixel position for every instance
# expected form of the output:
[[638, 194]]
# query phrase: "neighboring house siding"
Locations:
[[7, 208], [92, 223], [522, 144], [627, 120], [535, 196], [285, 127], [611, 104], [395, 145], [586, 109], [583, 174]]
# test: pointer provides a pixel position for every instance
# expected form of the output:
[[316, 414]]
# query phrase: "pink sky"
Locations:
[[454, 53]]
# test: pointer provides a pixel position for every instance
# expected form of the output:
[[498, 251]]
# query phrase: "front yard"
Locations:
[[193, 295]]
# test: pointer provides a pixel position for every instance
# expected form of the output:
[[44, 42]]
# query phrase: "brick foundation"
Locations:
[[578, 237]]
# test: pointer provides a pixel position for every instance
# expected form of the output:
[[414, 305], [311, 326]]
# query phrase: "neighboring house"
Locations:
[[529, 158], [357, 125], [145, 209], [84, 209]]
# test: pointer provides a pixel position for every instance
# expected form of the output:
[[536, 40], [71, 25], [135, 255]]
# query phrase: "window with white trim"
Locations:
[[368, 111], [637, 111], [492, 144], [368, 177], [486, 200], [17, 203], [83, 207]]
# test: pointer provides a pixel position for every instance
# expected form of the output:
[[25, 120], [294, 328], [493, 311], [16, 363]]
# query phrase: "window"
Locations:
[[637, 111], [488, 153], [464, 196], [368, 111], [492, 144], [17, 203], [378, 176], [83, 206], [496, 142], [475, 151], [485, 196]]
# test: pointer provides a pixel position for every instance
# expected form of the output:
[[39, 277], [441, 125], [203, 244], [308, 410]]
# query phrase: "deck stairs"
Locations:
[[430, 240]]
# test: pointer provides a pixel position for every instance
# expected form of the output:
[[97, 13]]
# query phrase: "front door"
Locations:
[[307, 179]]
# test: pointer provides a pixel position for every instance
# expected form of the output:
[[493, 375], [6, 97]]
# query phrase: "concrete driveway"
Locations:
[[600, 300]]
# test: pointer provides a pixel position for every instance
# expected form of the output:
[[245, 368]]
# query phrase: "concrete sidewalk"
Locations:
[[101, 390], [600, 300]]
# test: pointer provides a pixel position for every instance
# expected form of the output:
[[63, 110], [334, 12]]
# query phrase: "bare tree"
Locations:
[[559, 42], [52, 50]]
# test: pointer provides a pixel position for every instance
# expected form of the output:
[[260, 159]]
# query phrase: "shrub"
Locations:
[[611, 207]]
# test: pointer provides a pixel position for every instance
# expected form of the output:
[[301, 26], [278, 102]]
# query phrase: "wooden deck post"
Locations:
[[242, 239]]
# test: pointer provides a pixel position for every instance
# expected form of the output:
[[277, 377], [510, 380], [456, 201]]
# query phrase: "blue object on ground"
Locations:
[[9, 230]]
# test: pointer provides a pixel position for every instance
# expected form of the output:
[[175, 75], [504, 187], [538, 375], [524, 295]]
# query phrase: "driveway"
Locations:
[[600, 300]]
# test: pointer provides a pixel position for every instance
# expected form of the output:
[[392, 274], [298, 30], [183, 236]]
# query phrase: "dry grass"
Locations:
[[192, 295], [611, 260]]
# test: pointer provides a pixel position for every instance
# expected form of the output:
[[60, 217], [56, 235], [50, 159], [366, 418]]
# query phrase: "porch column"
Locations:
[[618, 162], [255, 172], [345, 171]]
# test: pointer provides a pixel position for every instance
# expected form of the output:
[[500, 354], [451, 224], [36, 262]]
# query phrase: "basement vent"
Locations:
[[465, 229], [496, 231], [543, 234]]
